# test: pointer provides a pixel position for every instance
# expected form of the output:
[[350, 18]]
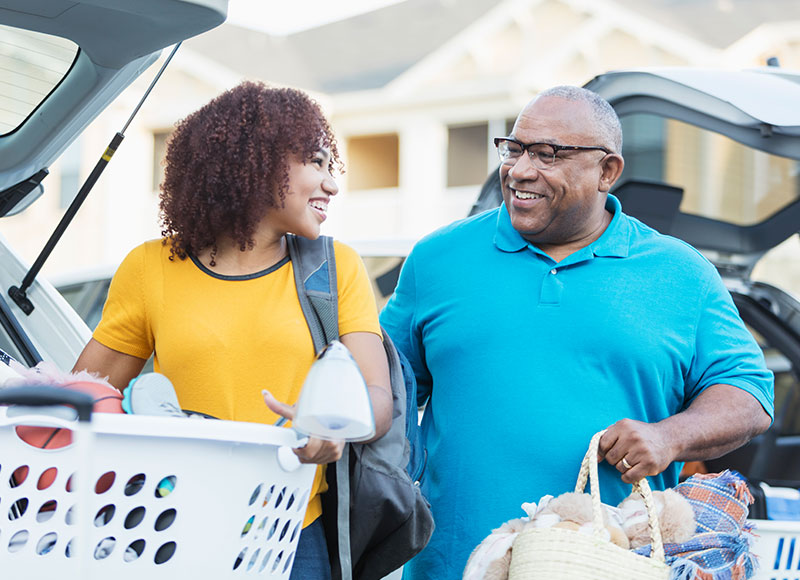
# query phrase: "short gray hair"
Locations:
[[608, 125]]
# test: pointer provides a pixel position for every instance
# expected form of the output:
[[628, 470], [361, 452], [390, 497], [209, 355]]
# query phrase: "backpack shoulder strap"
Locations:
[[314, 266]]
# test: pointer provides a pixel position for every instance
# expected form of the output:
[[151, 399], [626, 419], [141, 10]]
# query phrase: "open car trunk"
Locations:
[[63, 63]]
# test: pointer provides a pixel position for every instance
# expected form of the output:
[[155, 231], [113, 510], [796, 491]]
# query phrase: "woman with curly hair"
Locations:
[[215, 299]]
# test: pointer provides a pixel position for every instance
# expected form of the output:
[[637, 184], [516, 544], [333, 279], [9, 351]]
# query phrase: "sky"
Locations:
[[282, 17]]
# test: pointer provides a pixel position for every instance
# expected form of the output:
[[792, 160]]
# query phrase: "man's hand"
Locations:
[[316, 450], [719, 420], [637, 449]]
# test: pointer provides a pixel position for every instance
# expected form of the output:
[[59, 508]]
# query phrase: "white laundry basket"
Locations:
[[777, 546], [168, 498]]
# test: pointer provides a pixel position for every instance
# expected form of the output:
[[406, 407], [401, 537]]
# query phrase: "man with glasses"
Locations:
[[534, 325]]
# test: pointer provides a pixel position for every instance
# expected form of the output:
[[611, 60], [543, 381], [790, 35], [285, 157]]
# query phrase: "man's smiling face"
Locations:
[[563, 204]]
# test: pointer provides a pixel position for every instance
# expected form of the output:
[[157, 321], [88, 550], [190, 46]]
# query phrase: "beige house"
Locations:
[[415, 92]]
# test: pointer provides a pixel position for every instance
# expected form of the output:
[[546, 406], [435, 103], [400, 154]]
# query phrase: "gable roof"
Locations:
[[375, 49], [718, 23], [364, 52]]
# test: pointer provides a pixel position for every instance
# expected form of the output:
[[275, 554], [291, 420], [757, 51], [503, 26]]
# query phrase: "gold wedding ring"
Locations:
[[625, 463]]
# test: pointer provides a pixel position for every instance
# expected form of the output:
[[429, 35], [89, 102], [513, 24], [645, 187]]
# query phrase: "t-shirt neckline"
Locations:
[[252, 276]]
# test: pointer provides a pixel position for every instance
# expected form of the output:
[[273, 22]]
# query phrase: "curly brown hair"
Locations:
[[227, 163]]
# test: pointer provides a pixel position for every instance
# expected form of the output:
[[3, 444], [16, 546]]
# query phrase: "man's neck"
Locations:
[[559, 252]]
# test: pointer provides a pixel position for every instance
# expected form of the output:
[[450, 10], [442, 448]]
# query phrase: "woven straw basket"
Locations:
[[559, 554]]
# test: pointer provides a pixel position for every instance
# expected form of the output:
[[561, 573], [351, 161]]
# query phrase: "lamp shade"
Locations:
[[334, 402]]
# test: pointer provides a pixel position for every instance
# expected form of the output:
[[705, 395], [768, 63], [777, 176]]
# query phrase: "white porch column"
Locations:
[[423, 176]]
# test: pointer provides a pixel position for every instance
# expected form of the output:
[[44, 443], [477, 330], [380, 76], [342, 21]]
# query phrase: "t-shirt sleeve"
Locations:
[[726, 353], [124, 326], [358, 311]]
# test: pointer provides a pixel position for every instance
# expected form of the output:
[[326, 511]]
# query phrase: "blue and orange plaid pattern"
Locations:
[[720, 549]]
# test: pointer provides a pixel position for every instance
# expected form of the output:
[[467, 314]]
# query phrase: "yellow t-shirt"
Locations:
[[222, 339]]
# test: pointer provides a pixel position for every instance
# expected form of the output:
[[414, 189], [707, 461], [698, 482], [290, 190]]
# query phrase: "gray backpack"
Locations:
[[374, 514]]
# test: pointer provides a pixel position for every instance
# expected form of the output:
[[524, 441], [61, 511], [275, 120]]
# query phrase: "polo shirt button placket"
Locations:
[[552, 287]]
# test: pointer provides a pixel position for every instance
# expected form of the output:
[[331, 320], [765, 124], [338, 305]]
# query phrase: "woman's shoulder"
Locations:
[[145, 256], [159, 249], [149, 247]]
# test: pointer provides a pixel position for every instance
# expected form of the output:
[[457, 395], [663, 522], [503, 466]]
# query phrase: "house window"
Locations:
[[467, 154], [159, 153], [373, 162]]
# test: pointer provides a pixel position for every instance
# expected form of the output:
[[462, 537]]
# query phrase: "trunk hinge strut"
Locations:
[[19, 294]]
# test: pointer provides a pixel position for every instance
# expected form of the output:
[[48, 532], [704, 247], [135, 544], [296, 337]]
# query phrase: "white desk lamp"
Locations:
[[334, 402]]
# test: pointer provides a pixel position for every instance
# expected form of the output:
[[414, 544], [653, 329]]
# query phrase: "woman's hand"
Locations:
[[316, 450]]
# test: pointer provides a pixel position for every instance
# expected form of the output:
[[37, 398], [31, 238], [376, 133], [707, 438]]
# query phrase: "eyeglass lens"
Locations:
[[541, 154]]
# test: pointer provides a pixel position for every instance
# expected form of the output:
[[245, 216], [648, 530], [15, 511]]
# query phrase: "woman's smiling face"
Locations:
[[305, 206]]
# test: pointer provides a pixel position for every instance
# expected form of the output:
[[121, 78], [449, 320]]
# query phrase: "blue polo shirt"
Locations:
[[524, 359]]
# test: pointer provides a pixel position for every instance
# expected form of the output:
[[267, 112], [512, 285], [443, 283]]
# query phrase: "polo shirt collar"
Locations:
[[615, 241], [506, 238]]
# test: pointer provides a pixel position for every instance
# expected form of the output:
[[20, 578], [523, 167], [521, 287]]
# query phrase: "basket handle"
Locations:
[[589, 470], [41, 396]]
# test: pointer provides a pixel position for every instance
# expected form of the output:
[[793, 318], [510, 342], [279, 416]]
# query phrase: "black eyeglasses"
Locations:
[[543, 155]]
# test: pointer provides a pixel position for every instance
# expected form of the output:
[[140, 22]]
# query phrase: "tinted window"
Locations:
[[721, 178], [32, 64], [8, 347], [88, 299]]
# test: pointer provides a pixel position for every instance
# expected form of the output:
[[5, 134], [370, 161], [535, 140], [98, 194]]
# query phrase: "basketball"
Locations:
[[107, 399]]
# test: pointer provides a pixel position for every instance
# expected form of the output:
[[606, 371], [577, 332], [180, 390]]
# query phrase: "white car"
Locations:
[[63, 63]]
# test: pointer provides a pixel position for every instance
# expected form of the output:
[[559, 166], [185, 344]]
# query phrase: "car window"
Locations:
[[787, 399], [721, 178], [787, 392], [14, 340], [383, 272], [88, 299], [787, 387], [8, 346], [32, 64]]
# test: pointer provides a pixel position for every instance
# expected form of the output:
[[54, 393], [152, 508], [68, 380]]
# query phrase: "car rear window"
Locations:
[[721, 179], [31, 65]]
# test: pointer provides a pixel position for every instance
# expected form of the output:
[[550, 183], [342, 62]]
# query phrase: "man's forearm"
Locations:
[[721, 419]]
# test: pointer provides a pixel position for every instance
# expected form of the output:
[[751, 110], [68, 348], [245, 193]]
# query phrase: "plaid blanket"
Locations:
[[720, 549]]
